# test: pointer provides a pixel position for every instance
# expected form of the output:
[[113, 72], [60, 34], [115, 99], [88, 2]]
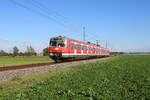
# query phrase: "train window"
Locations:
[[78, 47], [82, 47], [53, 43], [91, 49], [61, 45], [75, 46], [85, 48], [96, 50], [72, 46], [57, 43]]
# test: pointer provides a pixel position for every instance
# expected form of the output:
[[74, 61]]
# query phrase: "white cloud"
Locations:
[[7, 40], [67, 29]]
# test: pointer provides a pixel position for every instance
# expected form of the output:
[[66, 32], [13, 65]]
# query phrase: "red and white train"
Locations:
[[62, 48]]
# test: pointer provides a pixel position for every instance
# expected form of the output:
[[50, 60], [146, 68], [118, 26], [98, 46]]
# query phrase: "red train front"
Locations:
[[62, 48]]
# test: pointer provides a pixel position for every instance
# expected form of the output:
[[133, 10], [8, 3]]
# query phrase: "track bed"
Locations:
[[10, 73]]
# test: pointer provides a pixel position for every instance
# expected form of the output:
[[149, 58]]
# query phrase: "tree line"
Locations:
[[30, 51]]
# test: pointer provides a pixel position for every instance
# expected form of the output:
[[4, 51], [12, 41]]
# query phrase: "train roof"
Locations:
[[66, 38], [59, 38]]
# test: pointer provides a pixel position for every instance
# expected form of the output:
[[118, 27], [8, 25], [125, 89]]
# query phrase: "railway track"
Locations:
[[7, 73], [7, 68], [25, 66]]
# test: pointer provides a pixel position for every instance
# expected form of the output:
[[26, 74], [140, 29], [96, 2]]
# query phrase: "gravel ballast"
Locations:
[[8, 75]]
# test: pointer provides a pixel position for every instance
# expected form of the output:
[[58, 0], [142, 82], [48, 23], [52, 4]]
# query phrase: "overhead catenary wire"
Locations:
[[49, 10], [46, 9], [70, 26], [50, 17], [37, 12]]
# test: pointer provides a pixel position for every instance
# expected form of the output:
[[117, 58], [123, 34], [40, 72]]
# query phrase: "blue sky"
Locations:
[[125, 24]]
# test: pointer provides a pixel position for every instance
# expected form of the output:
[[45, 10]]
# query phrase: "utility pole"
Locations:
[[84, 34], [97, 42]]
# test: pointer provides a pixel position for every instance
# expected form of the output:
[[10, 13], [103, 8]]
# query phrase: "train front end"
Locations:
[[57, 47]]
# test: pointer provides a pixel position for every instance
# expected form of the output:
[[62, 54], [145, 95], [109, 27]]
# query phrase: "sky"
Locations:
[[124, 24]]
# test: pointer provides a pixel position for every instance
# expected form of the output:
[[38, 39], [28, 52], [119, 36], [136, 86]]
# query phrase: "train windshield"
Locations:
[[56, 43]]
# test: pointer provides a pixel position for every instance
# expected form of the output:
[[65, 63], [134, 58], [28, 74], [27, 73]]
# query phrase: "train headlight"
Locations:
[[56, 48]]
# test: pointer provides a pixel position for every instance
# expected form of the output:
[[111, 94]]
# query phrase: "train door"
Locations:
[[75, 48], [69, 48], [82, 48], [87, 49]]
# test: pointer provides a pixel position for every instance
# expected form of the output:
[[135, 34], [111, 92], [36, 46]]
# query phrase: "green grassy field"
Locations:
[[120, 78], [20, 60]]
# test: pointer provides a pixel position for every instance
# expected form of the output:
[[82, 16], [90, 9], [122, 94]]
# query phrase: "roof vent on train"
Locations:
[[89, 42]]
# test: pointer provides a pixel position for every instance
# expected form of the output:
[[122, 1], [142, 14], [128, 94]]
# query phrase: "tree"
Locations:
[[2, 53], [30, 51], [46, 51], [21, 54], [15, 51]]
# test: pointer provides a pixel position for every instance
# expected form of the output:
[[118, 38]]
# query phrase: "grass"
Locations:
[[122, 78], [17, 83], [20, 60]]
